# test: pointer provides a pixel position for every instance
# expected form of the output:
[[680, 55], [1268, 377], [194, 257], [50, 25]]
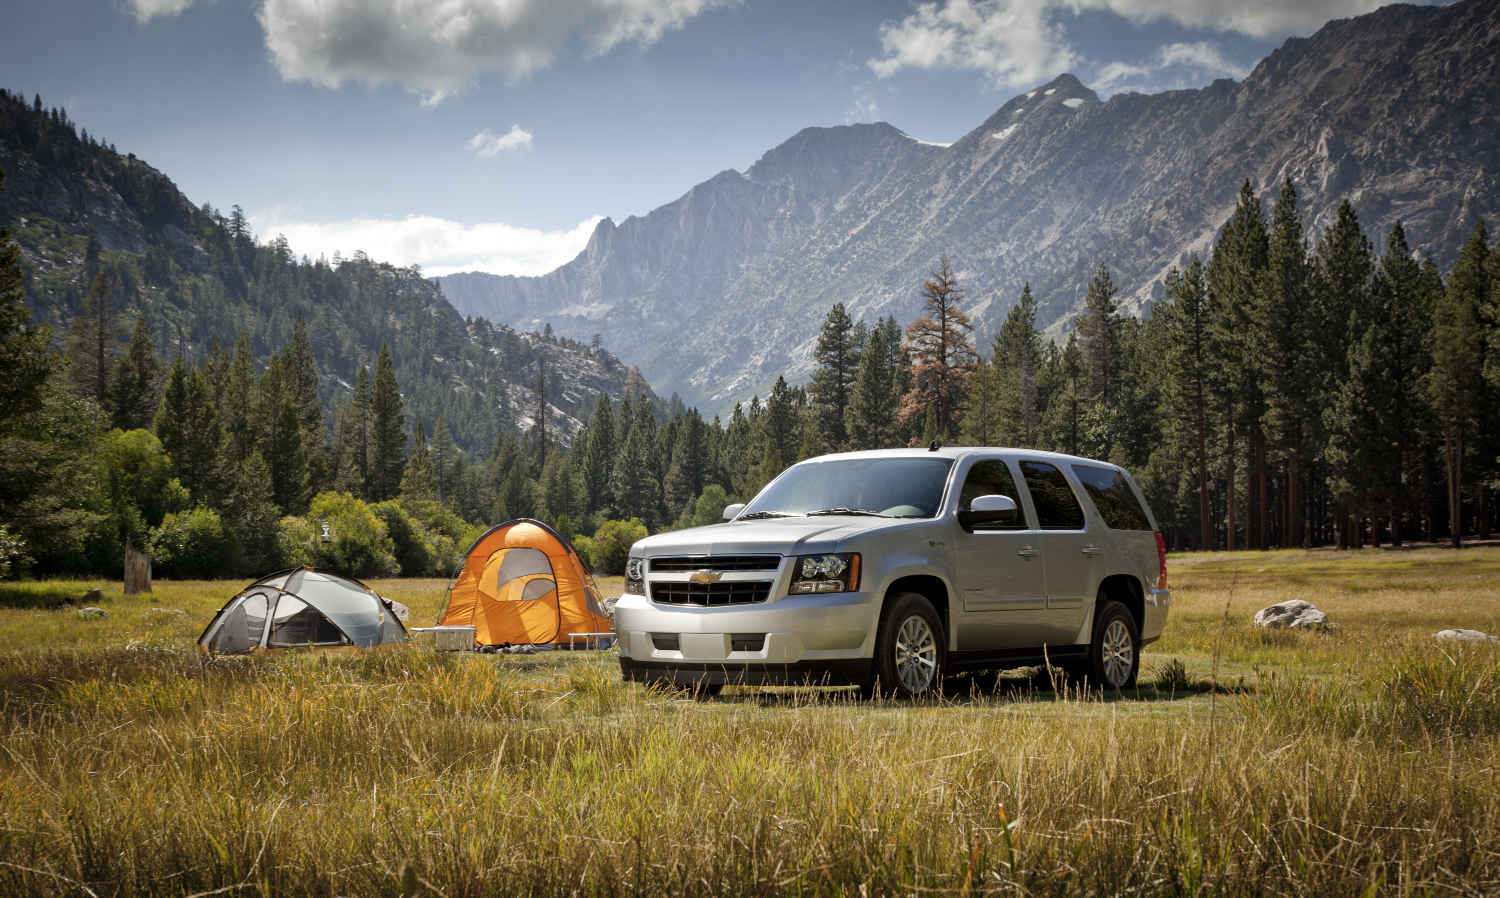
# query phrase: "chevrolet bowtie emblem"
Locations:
[[706, 576]]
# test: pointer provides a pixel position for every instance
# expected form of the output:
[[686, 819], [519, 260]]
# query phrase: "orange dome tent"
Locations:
[[523, 584]]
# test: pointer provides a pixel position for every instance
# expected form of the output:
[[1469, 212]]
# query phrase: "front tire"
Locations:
[[1115, 651], [911, 651]]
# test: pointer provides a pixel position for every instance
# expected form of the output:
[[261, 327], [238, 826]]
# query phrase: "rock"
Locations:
[[93, 611], [1461, 635], [176, 611], [93, 595], [1292, 614], [398, 609]]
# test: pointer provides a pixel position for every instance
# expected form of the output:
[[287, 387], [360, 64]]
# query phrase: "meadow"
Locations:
[[1363, 760]]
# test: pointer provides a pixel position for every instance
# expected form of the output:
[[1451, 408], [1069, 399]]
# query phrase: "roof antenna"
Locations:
[[933, 446]]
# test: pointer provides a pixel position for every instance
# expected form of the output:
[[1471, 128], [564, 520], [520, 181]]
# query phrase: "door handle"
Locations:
[[1026, 551], [1091, 551]]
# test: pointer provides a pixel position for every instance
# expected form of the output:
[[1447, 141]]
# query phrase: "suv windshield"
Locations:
[[894, 487]]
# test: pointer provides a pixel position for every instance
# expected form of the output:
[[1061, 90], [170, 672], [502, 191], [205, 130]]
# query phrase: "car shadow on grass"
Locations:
[[1024, 686]]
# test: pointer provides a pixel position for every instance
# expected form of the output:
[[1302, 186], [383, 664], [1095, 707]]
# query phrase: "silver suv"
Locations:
[[894, 568]]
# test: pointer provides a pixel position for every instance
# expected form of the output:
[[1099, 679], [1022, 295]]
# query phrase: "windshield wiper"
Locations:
[[859, 511], [757, 515]]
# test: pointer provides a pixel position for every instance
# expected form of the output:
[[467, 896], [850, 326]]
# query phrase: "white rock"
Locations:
[[398, 609], [93, 611], [1293, 614], [1462, 635]]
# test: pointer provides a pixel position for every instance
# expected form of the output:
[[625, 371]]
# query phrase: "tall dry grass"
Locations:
[[1359, 761]]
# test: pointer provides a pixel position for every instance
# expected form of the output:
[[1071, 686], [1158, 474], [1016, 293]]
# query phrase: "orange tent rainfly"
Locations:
[[522, 584]]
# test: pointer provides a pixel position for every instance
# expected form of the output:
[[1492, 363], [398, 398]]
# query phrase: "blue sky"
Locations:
[[492, 134]]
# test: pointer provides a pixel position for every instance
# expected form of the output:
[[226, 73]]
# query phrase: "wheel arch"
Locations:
[[929, 586], [1128, 591]]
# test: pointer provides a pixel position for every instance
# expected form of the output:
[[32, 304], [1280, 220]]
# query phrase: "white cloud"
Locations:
[[1021, 42], [436, 47], [1196, 61], [1262, 18], [486, 144], [1015, 42], [439, 245], [146, 10]]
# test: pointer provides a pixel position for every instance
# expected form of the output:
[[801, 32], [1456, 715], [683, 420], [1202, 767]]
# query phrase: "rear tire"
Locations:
[[1115, 651], [911, 651]]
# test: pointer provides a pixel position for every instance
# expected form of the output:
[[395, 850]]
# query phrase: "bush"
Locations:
[[420, 549], [359, 544], [13, 557], [192, 545], [612, 542]]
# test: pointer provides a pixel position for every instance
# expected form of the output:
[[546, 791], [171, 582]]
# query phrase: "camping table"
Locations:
[[590, 640]]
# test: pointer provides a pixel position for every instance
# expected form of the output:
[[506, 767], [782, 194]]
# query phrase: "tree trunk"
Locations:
[[1453, 450], [137, 570], [1204, 513], [1484, 512], [1229, 537]]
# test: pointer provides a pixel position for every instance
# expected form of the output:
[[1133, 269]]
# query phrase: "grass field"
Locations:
[[1365, 760]]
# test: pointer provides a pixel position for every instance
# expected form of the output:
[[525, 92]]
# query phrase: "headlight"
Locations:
[[825, 573], [635, 578]]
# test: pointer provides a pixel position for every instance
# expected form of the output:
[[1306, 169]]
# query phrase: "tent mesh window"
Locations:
[[295, 623]]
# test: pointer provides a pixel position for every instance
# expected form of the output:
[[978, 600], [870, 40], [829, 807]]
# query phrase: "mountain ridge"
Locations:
[[721, 290]]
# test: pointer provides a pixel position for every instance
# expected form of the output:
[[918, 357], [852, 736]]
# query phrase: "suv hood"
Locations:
[[773, 536]]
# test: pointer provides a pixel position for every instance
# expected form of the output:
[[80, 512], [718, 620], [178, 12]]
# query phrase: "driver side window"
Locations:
[[992, 478]]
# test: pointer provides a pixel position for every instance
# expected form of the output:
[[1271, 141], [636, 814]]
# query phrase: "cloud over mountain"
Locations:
[[436, 48]]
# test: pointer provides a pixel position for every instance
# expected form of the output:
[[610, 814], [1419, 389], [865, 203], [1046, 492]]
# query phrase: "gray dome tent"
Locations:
[[301, 607]]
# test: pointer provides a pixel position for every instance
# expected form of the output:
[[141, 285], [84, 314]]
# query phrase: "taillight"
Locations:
[[1161, 557]]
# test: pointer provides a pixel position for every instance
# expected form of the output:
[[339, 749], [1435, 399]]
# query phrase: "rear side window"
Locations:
[[1056, 506], [991, 478], [1113, 497]]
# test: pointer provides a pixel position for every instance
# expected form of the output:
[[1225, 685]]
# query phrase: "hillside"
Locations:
[[718, 292], [200, 278]]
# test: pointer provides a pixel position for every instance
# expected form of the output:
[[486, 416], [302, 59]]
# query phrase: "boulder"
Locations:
[[1291, 614], [1466, 636], [398, 609], [92, 596], [93, 611]]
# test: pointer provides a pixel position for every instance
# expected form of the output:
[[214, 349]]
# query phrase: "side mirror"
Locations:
[[989, 510], [732, 511]]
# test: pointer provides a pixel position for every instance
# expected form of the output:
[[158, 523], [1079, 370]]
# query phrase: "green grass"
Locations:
[[1365, 760]]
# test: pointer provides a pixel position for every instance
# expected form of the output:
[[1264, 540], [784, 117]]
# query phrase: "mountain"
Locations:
[[199, 279], [717, 293]]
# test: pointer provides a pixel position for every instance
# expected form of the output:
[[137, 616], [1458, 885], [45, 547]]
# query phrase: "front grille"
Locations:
[[731, 592], [747, 642], [716, 563], [666, 642]]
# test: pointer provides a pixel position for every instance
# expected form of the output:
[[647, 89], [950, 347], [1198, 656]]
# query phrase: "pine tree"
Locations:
[[302, 392], [1234, 271], [1454, 385], [1017, 358], [1288, 363], [1189, 364], [781, 425], [417, 480], [685, 476], [838, 361], [388, 430], [598, 454], [188, 426], [280, 429], [943, 355], [1099, 338], [446, 461], [91, 341], [873, 400], [1339, 316], [133, 387]]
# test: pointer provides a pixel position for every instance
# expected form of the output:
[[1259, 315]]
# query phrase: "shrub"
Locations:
[[13, 558], [584, 546], [192, 544], [359, 544], [612, 542]]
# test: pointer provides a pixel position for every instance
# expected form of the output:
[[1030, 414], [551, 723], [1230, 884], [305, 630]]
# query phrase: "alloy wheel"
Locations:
[[1118, 654], [916, 654]]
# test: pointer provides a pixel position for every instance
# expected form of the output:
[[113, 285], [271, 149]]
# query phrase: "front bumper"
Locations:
[[805, 673], [797, 630]]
